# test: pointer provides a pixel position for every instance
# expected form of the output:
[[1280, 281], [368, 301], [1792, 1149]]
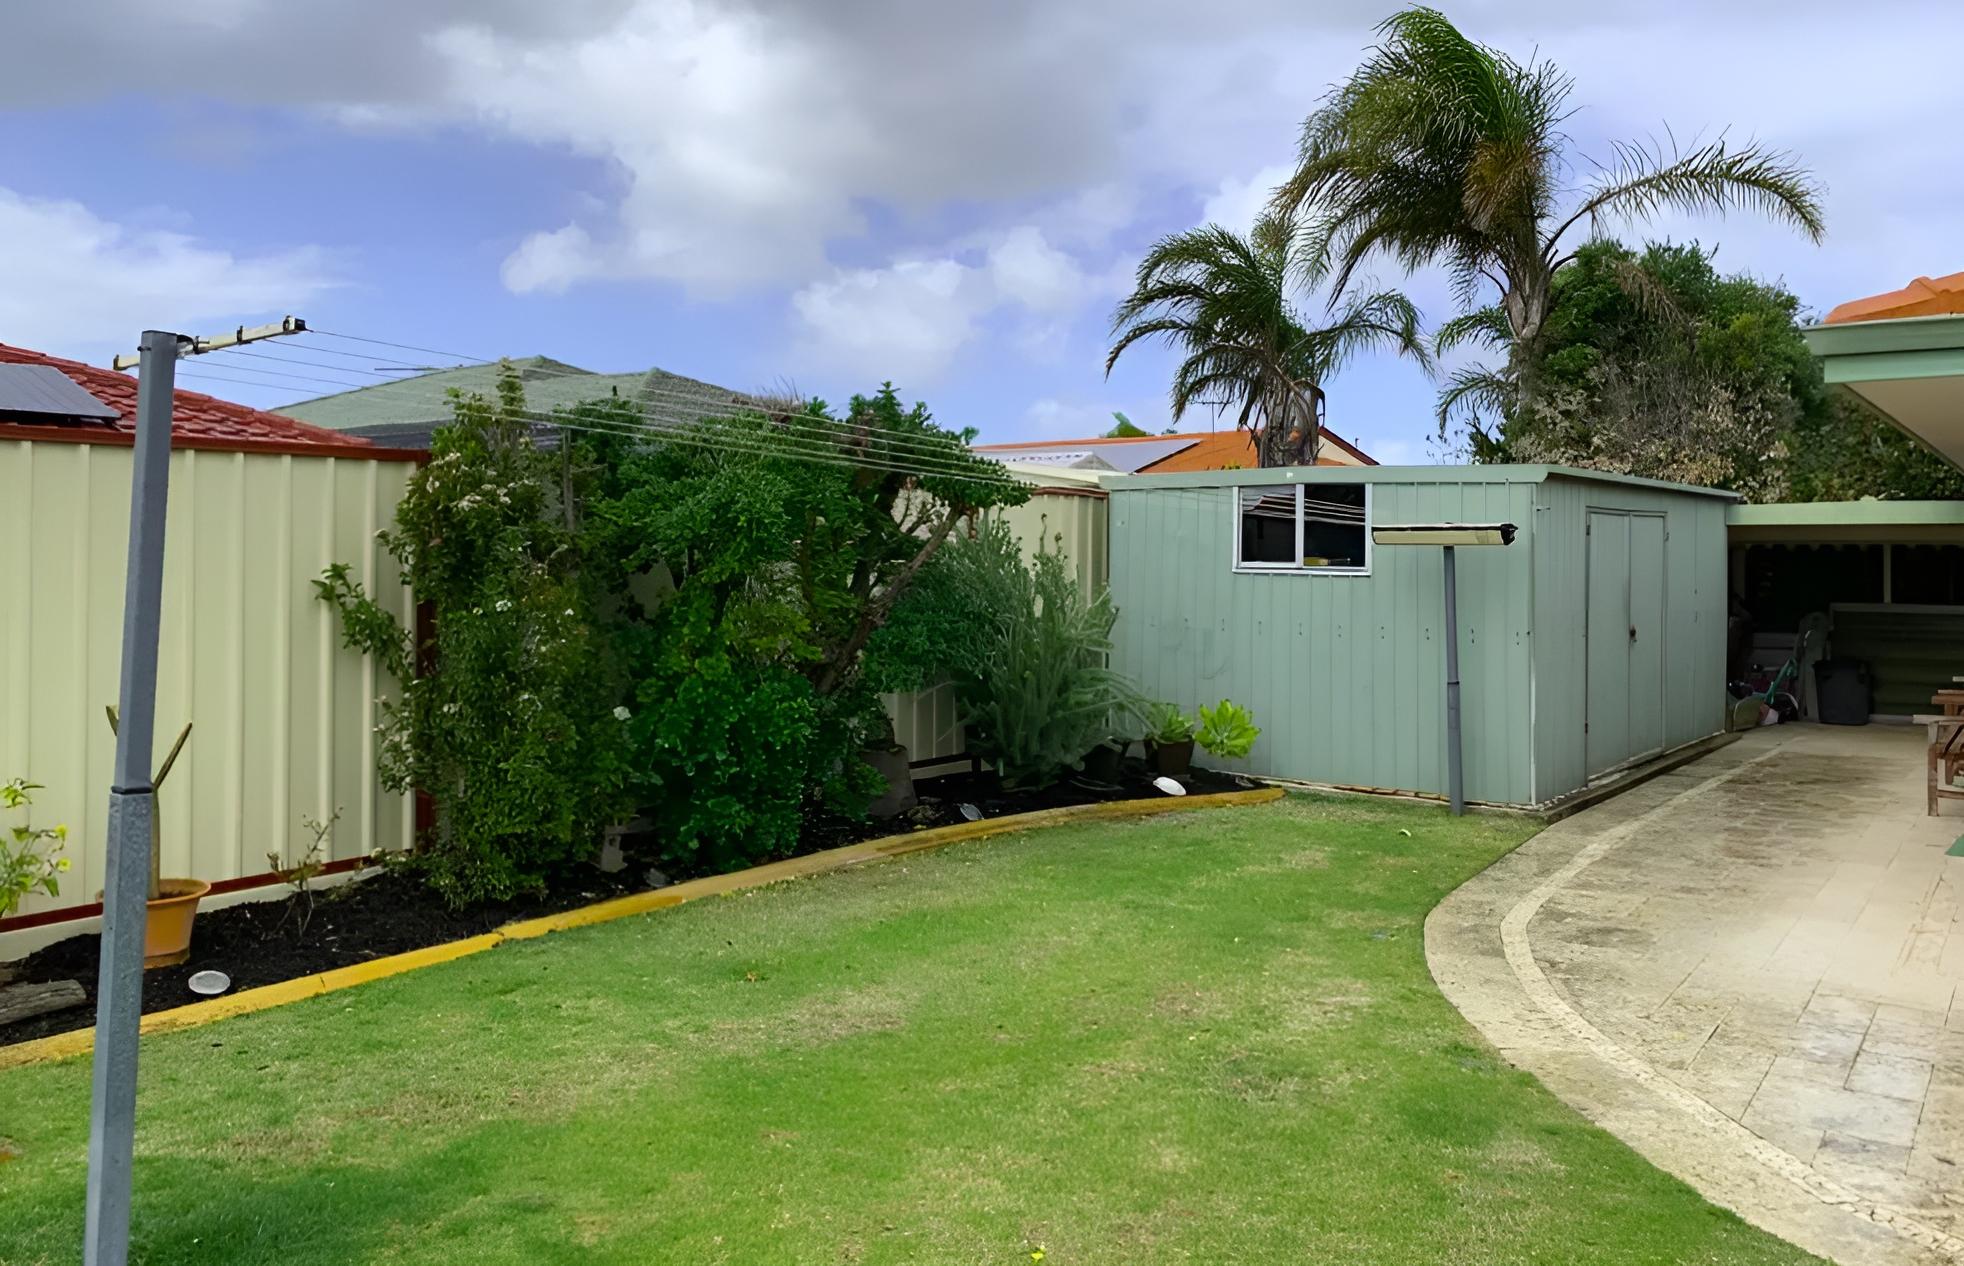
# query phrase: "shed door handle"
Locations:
[[1633, 632]]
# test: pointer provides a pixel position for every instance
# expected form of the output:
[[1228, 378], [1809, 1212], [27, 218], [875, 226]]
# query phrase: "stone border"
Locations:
[[1481, 955], [81, 1041]]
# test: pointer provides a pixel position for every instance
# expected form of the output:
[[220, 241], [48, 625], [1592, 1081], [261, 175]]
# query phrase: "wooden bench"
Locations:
[[1945, 755]]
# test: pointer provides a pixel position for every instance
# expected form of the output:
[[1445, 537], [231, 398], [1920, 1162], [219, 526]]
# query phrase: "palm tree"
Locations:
[[1441, 150], [1223, 299]]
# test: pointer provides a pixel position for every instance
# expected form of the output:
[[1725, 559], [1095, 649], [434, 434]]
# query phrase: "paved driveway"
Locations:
[[1747, 969]]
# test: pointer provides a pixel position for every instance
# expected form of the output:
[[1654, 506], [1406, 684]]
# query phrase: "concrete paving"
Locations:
[[1749, 969]]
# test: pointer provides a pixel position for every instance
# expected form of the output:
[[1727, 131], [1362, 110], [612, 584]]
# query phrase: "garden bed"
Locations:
[[255, 943]]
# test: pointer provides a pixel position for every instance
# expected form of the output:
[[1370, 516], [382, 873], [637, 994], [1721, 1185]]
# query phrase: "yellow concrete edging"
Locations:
[[81, 1041]]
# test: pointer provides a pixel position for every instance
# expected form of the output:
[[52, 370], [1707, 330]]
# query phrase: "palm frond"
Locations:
[[1486, 327], [1712, 178], [1470, 394]]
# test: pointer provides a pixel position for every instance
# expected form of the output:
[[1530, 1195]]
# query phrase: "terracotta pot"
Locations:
[[167, 928], [1172, 758]]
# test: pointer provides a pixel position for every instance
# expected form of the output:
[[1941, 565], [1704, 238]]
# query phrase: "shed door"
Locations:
[[1646, 635], [1625, 707], [1607, 726]]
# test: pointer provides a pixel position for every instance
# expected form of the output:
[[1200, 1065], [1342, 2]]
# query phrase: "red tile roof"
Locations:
[[197, 421]]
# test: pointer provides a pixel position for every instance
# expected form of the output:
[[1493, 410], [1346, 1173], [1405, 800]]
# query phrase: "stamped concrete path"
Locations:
[[1746, 968]]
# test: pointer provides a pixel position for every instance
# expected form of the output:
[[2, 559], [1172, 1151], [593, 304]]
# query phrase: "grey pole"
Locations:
[[1455, 775], [126, 888]]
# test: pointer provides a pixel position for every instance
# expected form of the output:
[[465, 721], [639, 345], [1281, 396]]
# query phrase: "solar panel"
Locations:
[[44, 392]]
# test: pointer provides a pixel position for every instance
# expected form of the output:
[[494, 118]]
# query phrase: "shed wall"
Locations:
[[284, 715], [1695, 617], [1345, 674]]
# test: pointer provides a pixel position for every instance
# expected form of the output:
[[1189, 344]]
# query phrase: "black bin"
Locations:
[[1844, 689]]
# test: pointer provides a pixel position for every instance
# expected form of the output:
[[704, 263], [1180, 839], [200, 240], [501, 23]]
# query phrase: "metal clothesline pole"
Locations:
[[126, 886], [126, 889]]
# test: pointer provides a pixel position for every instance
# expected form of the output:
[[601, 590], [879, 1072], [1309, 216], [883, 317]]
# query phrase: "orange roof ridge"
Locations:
[[1926, 296]]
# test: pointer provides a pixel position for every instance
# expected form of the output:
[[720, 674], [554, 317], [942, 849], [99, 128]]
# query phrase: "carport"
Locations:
[[1888, 577], [1890, 573]]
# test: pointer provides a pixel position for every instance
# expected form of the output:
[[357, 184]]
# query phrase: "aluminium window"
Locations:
[[1319, 528]]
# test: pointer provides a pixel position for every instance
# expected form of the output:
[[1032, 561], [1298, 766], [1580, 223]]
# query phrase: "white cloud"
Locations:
[[80, 284], [1028, 270], [1052, 419], [904, 322], [909, 319], [1237, 203]]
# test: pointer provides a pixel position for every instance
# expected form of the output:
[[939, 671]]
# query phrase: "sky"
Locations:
[[771, 193]]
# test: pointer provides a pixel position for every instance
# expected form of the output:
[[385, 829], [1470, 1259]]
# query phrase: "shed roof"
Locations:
[[197, 421], [1496, 474]]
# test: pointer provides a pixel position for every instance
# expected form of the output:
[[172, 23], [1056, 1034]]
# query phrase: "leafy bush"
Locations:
[[28, 861], [770, 567], [505, 713], [670, 617], [1165, 723], [1036, 694], [1227, 729]]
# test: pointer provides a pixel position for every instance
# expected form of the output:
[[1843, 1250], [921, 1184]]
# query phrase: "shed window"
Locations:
[[1311, 527]]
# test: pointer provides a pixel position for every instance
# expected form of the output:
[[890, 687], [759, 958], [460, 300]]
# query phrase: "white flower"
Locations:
[[502, 604], [569, 610], [622, 714]]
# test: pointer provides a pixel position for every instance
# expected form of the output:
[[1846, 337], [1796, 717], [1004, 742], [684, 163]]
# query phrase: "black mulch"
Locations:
[[256, 943]]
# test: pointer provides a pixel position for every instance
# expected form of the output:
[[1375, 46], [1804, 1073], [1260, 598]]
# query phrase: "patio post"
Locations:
[[126, 886]]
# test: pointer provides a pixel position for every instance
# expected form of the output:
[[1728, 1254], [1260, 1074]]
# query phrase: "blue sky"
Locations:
[[752, 193]]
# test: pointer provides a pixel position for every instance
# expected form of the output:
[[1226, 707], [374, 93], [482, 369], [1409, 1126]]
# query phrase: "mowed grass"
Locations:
[[1209, 1037]]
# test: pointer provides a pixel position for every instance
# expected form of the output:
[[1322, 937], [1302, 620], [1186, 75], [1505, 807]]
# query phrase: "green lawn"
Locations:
[[1202, 1038]]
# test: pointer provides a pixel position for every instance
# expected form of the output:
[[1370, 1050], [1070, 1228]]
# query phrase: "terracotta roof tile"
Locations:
[[1926, 296], [196, 416]]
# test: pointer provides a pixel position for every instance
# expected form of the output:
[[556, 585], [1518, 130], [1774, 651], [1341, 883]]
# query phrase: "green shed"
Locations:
[[1595, 641]]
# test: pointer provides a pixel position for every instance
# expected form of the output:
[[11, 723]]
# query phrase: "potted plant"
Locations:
[[1227, 730], [173, 902], [1169, 739]]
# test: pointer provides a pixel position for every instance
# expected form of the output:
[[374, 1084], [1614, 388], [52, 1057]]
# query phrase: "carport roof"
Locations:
[[1910, 369], [1847, 521]]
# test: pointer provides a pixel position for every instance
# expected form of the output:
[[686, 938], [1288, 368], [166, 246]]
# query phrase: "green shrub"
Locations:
[[1227, 729], [1036, 694], [28, 861], [505, 715], [760, 649]]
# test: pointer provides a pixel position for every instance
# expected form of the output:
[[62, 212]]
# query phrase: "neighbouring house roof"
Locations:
[[405, 412], [1165, 454], [197, 420], [1926, 296]]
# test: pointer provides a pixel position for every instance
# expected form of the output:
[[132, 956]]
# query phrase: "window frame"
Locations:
[[1298, 568]]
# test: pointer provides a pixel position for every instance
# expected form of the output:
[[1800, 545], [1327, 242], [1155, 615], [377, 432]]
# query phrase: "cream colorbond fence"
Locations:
[[284, 716]]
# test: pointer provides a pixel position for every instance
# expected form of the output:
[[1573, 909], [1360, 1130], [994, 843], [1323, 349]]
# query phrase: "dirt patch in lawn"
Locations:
[[255, 943]]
